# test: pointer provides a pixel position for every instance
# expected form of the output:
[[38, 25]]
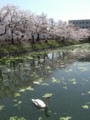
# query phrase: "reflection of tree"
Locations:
[[23, 71], [85, 58], [1, 77]]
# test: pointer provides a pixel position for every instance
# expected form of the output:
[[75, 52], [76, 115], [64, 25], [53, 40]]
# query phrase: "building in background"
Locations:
[[85, 24]]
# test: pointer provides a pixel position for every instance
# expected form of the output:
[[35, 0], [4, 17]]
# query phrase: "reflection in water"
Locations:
[[47, 112], [30, 76], [21, 72]]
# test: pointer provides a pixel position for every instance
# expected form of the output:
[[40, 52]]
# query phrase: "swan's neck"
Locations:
[[46, 102]]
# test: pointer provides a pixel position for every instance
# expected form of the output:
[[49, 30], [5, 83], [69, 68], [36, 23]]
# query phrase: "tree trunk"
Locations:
[[63, 39], [6, 28], [33, 39], [12, 40], [46, 40], [22, 36], [38, 37]]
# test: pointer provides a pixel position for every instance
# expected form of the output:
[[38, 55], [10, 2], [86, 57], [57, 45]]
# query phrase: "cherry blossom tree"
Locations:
[[41, 25], [17, 25], [75, 33], [4, 11], [51, 28]]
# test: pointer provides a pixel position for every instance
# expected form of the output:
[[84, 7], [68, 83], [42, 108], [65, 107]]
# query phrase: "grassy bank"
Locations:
[[9, 49]]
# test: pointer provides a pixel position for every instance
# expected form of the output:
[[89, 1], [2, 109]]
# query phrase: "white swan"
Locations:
[[39, 103]]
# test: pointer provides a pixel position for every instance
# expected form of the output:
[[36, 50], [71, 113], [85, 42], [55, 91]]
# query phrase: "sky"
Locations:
[[57, 9]]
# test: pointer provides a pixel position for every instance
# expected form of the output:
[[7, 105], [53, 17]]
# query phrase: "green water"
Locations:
[[63, 73]]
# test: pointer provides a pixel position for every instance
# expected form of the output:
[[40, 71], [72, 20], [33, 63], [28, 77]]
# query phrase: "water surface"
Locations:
[[64, 73]]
